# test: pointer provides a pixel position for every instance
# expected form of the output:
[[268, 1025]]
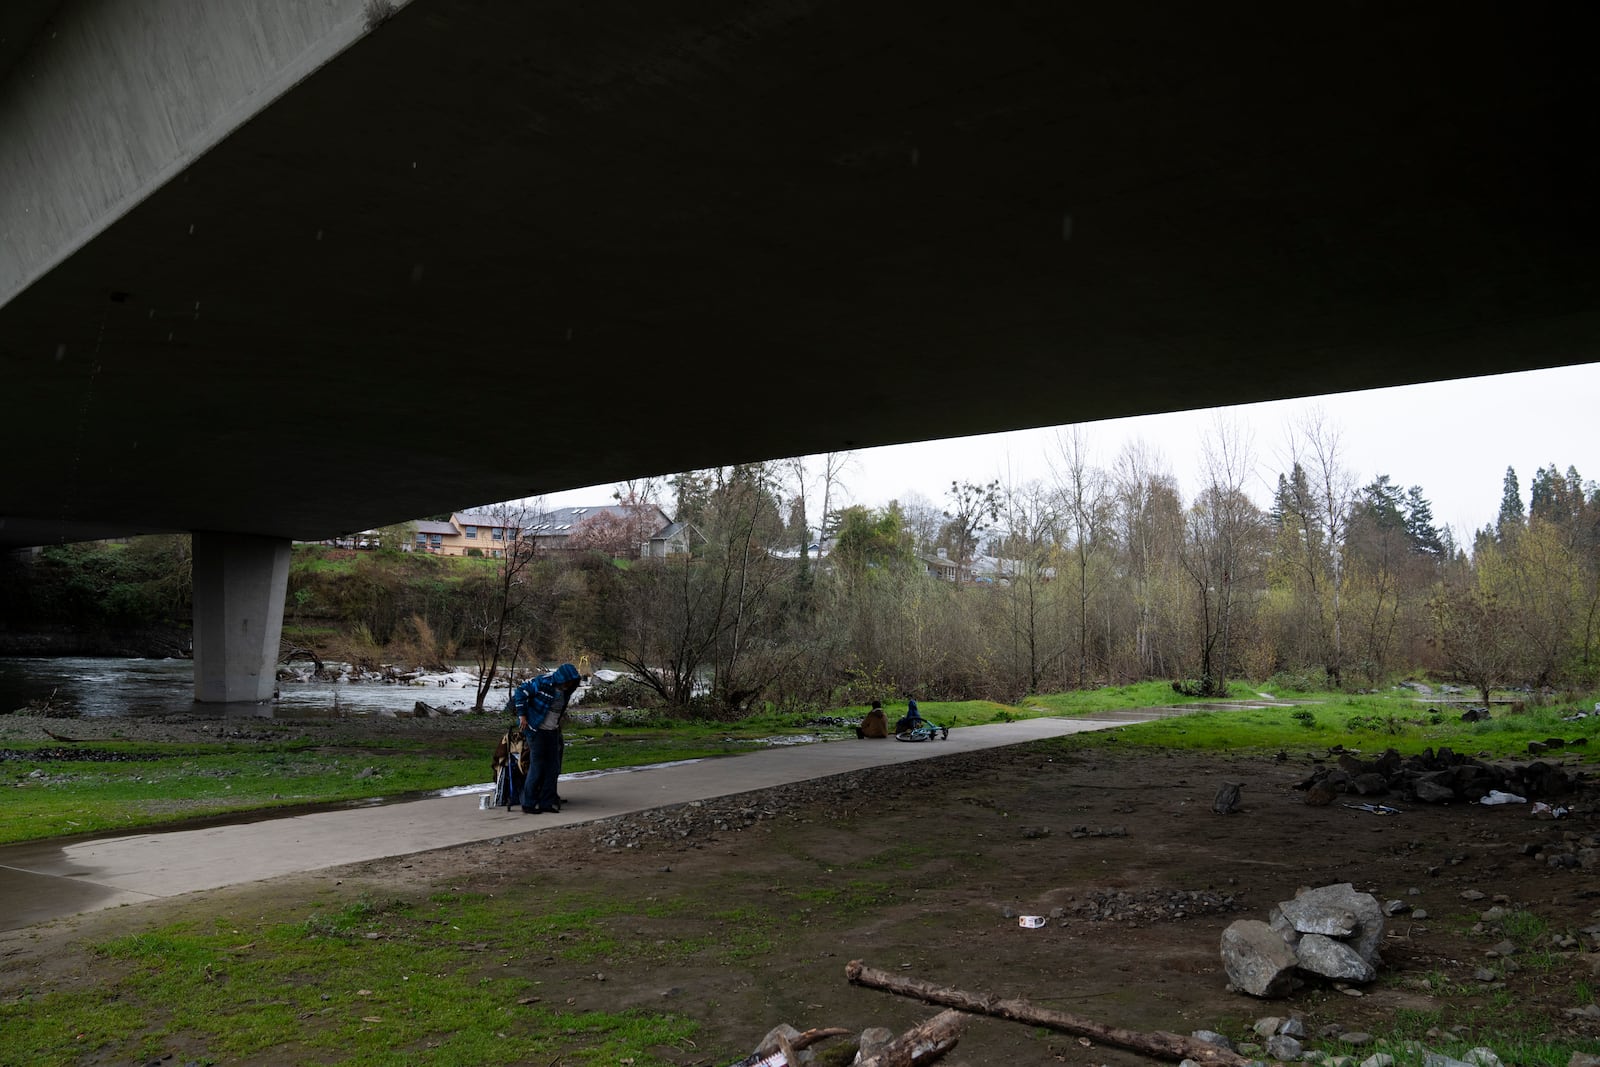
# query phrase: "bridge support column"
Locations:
[[240, 581]]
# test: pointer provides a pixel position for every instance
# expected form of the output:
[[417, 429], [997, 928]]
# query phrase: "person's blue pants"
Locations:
[[544, 767]]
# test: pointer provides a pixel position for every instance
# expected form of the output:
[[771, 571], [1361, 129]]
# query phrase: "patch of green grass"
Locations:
[[1467, 1018], [367, 982], [157, 784], [905, 856], [308, 564], [747, 933], [1442, 984], [1416, 1020], [1524, 928], [154, 784], [1541, 961], [1502, 1003], [850, 898], [1110, 698], [1363, 722]]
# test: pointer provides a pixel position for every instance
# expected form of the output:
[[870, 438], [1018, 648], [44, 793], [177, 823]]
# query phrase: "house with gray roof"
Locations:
[[648, 531]]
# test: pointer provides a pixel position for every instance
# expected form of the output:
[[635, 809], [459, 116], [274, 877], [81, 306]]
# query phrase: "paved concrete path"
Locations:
[[45, 880]]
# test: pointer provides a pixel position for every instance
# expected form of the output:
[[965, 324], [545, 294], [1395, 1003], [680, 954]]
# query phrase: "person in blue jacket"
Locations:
[[541, 706], [911, 719]]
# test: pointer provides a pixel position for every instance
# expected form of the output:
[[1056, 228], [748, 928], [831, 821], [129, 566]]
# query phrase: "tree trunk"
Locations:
[[924, 1043], [1158, 1043]]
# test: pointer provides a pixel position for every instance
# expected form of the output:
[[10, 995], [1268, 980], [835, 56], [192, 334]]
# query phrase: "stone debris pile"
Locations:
[[1142, 907], [1431, 777], [1332, 932], [1288, 1040]]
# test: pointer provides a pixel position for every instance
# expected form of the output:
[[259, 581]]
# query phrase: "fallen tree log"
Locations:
[[782, 1043], [1157, 1043], [924, 1043]]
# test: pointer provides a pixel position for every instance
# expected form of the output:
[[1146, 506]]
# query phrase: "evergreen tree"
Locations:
[[1559, 498], [1425, 536], [692, 491], [1512, 519], [1383, 504], [796, 527]]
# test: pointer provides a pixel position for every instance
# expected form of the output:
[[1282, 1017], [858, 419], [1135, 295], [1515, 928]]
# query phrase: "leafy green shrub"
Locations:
[[1300, 681], [629, 693], [1376, 724], [1304, 717]]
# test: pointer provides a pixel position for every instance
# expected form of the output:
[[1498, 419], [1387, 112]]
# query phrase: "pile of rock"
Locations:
[[1433, 777], [1286, 1040], [1142, 907], [1332, 932], [684, 825]]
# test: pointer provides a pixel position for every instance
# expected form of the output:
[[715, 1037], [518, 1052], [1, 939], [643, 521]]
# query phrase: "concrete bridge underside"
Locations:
[[276, 271]]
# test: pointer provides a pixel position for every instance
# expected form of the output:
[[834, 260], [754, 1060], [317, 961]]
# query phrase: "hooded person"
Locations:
[[911, 719], [541, 705], [875, 724]]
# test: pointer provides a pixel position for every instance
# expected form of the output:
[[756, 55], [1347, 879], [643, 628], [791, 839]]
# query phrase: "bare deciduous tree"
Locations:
[[497, 611], [1222, 543], [1031, 520], [973, 508], [1086, 513], [1149, 522], [1472, 634], [1321, 500]]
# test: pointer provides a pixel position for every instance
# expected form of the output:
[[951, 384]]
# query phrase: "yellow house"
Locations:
[[464, 532], [488, 532]]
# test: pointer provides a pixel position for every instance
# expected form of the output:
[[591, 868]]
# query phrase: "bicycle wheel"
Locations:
[[910, 735]]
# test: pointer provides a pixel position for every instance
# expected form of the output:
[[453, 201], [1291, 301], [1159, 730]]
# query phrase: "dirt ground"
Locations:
[[923, 871]]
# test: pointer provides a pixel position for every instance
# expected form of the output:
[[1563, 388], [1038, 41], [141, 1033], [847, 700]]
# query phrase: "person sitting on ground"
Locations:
[[911, 719], [875, 724]]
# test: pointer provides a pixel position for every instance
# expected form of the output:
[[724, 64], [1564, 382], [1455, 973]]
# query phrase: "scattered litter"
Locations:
[[1375, 809], [1030, 922], [775, 1059], [1496, 796], [1541, 808]]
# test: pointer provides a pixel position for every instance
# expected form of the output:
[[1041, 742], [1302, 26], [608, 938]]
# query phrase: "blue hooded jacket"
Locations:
[[538, 695]]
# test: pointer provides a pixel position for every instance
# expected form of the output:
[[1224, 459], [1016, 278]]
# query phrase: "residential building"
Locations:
[[941, 566], [674, 539], [647, 531], [983, 569]]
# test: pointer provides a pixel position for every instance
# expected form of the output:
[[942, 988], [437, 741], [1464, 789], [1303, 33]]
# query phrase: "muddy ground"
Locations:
[[923, 870]]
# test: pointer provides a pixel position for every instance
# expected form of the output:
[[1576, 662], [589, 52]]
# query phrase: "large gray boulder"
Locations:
[[1339, 911], [1322, 955], [1257, 959], [1330, 932]]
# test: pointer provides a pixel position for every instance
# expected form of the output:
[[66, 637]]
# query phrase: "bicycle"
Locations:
[[923, 731]]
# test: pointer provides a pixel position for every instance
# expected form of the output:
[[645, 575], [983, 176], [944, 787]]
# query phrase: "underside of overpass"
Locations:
[[289, 270]]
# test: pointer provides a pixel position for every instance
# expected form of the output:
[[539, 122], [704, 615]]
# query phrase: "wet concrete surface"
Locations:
[[45, 880]]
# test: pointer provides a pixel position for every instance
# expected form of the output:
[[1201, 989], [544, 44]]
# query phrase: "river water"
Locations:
[[96, 687]]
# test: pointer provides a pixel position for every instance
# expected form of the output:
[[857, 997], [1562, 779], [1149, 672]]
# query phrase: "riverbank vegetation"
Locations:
[[1107, 577]]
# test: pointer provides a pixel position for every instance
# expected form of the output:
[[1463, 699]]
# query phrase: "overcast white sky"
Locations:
[[1454, 439]]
